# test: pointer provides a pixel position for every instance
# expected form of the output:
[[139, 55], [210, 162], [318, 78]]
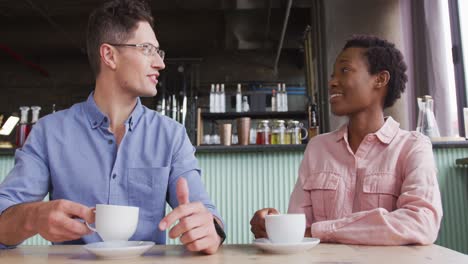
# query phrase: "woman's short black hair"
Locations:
[[383, 56]]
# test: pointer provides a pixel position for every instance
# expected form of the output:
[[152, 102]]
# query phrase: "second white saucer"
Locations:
[[277, 248], [119, 249]]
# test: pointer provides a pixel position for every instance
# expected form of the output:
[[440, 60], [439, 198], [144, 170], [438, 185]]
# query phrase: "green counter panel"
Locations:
[[240, 183], [453, 182]]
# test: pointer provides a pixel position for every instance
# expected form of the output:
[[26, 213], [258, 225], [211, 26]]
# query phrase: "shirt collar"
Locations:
[[97, 118], [385, 134], [135, 116], [341, 132], [388, 131]]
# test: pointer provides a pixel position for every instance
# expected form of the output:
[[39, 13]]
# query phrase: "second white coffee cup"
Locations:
[[115, 222], [285, 228]]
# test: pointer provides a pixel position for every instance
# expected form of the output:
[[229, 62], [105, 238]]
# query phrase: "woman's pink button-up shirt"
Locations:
[[384, 194]]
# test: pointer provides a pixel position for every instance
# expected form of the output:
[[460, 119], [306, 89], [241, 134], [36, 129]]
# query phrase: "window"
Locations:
[[451, 108], [463, 5], [459, 30]]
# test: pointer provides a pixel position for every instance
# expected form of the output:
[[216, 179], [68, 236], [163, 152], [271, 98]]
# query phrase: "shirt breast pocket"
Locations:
[[323, 193], [380, 190], [147, 189]]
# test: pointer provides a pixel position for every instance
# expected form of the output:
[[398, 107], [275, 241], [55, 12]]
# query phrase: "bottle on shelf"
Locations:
[[285, 99], [239, 98], [35, 114], [245, 104], [168, 106], [159, 106], [223, 99], [279, 99], [24, 128], [212, 98], [163, 105], [274, 101], [217, 99], [314, 128], [175, 113]]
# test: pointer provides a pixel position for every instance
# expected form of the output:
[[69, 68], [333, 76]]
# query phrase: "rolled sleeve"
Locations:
[[7, 247], [28, 181], [5, 203]]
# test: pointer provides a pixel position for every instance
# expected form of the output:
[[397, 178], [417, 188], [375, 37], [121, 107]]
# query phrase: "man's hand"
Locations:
[[195, 228], [55, 220], [257, 222]]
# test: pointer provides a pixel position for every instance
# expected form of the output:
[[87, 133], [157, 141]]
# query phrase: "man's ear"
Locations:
[[108, 56], [383, 78]]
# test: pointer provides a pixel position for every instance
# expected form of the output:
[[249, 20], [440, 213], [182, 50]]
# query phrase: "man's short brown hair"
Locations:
[[114, 22]]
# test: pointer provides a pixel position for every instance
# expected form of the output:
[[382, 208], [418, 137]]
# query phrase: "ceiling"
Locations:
[[57, 27], [72, 8]]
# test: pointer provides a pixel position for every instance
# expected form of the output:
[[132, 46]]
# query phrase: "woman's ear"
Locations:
[[108, 56], [383, 78]]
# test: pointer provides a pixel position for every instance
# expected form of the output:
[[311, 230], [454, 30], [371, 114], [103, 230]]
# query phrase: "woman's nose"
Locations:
[[332, 82]]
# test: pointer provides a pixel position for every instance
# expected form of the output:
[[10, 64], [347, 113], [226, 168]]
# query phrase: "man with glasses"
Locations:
[[111, 149]]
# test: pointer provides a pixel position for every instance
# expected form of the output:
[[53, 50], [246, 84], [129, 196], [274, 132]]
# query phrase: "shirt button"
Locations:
[[114, 175], [105, 119], [95, 123], [110, 141]]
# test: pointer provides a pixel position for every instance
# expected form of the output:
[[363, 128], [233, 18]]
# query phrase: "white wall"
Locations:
[[378, 17]]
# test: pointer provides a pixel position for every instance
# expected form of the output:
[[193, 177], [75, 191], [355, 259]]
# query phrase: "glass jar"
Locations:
[[263, 133], [294, 131], [278, 133]]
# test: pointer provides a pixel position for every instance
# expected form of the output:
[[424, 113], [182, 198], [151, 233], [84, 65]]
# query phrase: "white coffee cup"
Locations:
[[115, 222], [285, 228]]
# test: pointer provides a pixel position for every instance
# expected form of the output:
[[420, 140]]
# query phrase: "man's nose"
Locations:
[[158, 63]]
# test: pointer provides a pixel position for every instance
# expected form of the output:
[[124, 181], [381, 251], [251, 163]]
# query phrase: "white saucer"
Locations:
[[306, 244], [119, 249]]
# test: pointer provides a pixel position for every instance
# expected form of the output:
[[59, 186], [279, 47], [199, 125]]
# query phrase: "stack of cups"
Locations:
[[226, 134], [243, 130]]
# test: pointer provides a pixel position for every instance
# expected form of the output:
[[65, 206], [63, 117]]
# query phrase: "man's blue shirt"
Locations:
[[72, 155]]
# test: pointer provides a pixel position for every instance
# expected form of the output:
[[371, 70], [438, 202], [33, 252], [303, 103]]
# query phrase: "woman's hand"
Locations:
[[257, 222]]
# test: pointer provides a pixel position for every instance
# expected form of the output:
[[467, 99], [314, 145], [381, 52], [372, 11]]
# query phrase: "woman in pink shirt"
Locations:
[[368, 182]]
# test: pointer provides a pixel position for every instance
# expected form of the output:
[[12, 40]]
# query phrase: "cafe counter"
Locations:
[[241, 180]]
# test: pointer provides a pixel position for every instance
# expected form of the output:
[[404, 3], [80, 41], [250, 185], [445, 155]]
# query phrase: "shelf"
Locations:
[[255, 115], [203, 116], [7, 151], [249, 148], [463, 161], [450, 144]]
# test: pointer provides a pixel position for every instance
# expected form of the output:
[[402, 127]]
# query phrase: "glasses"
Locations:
[[147, 48]]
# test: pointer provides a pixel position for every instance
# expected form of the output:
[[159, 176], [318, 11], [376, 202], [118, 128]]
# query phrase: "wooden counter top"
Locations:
[[245, 254]]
